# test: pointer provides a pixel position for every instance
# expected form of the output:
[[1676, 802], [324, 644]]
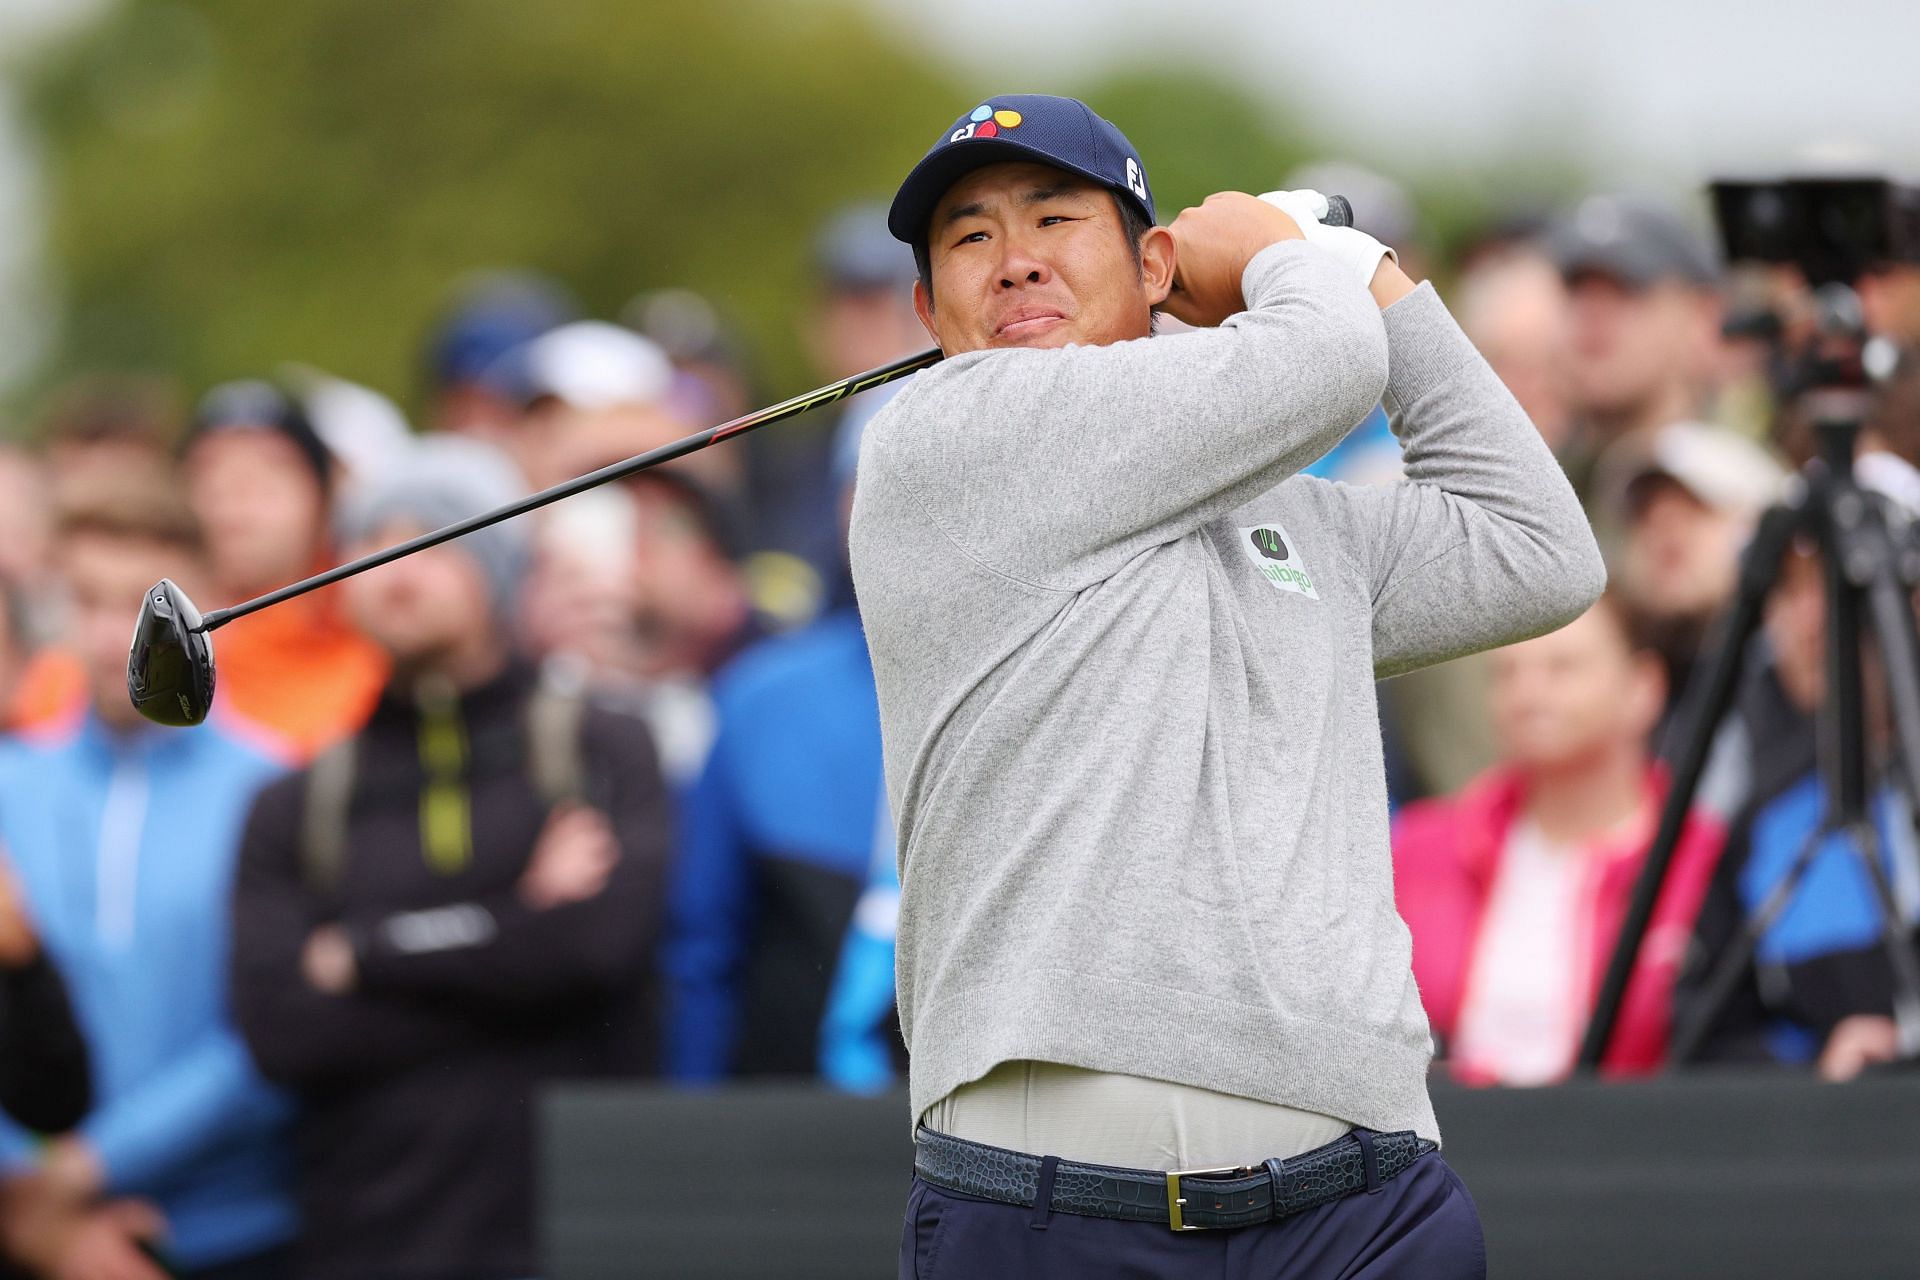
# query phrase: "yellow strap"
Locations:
[[446, 814]]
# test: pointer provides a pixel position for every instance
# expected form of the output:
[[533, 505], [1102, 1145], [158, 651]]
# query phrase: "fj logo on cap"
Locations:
[[985, 122], [1276, 558]]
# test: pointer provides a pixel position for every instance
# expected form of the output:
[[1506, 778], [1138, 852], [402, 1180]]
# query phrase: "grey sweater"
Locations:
[[1126, 662]]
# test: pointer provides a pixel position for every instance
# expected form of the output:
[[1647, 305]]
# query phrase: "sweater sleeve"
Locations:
[[1484, 542], [209, 1094], [299, 1036], [1054, 467], [494, 955], [44, 1083]]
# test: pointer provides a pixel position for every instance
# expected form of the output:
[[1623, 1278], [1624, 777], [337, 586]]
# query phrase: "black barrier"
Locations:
[[1698, 1176]]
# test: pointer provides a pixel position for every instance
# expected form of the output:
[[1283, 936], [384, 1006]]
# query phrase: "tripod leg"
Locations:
[[1895, 936], [1689, 1034], [1706, 701]]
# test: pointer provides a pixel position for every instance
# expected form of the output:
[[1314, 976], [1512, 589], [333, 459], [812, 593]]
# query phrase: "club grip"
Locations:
[[1339, 212]]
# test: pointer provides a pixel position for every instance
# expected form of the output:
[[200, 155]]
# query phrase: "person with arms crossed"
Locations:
[[1125, 658]]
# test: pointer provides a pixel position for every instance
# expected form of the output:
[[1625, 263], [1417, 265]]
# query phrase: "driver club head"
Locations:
[[170, 664]]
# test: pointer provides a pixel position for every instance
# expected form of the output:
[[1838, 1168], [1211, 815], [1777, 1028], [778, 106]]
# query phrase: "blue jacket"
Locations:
[[125, 850], [777, 837]]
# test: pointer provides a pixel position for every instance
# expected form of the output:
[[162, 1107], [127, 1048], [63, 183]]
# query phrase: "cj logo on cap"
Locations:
[[1136, 180], [985, 122]]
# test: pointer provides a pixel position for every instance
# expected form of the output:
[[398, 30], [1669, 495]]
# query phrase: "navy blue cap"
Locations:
[[1062, 132], [256, 404]]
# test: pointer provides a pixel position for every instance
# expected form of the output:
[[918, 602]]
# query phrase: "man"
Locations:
[[124, 838], [487, 315], [261, 481], [1514, 889], [448, 910], [777, 840], [1685, 497], [1125, 667], [1644, 321]]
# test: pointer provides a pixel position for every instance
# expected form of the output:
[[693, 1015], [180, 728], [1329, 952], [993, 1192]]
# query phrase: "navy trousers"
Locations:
[[1421, 1225]]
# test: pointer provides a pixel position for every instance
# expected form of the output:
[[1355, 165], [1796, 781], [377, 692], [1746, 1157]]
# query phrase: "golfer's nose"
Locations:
[[1019, 265]]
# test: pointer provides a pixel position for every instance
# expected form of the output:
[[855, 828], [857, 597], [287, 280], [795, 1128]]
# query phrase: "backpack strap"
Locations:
[[323, 819], [556, 760]]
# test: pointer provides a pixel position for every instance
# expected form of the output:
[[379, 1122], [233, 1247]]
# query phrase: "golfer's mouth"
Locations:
[[1025, 324]]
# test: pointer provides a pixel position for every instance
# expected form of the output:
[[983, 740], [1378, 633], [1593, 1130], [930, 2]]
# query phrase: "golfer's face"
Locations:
[[1025, 255]]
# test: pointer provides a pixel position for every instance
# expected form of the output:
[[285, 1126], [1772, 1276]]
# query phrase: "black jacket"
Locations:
[[419, 1088], [43, 1059]]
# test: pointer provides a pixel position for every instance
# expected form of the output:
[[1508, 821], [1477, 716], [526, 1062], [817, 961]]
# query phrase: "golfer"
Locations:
[[1150, 973]]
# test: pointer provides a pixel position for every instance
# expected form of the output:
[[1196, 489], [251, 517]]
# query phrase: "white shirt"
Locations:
[[1523, 1012]]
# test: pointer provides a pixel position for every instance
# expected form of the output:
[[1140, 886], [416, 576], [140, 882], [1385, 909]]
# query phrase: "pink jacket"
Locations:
[[1446, 854]]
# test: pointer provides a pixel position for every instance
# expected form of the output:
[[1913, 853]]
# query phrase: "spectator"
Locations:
[[861, 317], [26, 531], [1645, 321], [1685, 497], [1514, 889], [449, 909], [1819, 989], [1890, 297], [260, 480], [593, 393], [488, 316], [1513, 304], [779, 836], [44, 1085], [124, 838]]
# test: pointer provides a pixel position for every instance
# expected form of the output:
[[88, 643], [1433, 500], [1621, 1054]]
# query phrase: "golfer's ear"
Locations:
[[923, 307], [1156, 264]]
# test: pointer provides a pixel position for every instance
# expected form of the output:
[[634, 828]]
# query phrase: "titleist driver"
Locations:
[[170, 663]]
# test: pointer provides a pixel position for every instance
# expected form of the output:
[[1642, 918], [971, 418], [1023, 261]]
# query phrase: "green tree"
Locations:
[[235, 184]]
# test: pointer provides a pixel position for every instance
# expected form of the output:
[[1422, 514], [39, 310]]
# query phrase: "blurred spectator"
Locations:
[[1890, 296], [124, 838], [1685, 497], [26, 532], [1819, 987], [44, 1084], [260, 480], [448, 909], [364, 432], [594, 393], [1514, 889], [861, 317], [714, 385], [1513, 304], [488, 316], [108, 423], [778, 838], [1644, 321]]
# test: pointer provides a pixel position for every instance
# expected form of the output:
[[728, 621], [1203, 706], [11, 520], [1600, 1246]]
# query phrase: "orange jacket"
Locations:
[[296, 670]]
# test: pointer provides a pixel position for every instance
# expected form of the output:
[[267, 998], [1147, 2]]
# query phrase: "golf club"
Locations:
[[170, 662]]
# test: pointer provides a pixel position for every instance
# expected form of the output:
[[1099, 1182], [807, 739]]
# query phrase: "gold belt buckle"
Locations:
[[1175, 1200]]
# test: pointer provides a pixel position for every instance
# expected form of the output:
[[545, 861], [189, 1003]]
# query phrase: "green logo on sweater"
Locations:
[[1276, 558]]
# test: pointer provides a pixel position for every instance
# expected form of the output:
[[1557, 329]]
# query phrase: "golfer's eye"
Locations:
[[1052, 218], [970, 238]]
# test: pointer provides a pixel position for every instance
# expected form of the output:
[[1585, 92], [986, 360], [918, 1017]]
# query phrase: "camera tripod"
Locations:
[[1870, 566]]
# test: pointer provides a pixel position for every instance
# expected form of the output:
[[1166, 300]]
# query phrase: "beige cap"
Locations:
[[1722, 468]]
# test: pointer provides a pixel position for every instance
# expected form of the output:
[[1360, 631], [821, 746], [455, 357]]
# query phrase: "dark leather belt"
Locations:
[[1183, 1199]]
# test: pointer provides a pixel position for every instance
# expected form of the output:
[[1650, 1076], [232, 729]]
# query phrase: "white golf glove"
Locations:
[[1358, 250]]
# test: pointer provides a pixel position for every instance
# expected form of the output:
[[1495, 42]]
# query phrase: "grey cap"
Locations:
[[1633, 239], [854, 251], [439, 480]]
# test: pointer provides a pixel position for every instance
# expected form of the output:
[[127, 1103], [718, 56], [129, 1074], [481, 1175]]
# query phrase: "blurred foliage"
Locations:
[[237, 184]]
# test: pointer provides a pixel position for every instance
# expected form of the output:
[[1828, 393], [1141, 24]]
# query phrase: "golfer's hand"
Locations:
[[575, 855], [1212, 245]]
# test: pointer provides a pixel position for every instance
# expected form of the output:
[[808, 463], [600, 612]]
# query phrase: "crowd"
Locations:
[[598, 793]]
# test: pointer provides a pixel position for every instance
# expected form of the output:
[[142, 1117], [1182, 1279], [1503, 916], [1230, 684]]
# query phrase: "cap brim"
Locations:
[[914, 203]]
